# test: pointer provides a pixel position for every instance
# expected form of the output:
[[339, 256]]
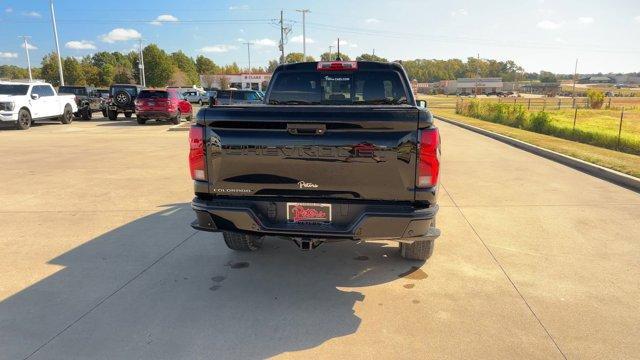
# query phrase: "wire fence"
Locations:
[[539, 104]]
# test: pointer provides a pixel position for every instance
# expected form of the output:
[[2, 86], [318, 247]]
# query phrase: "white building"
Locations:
[[238, 81]]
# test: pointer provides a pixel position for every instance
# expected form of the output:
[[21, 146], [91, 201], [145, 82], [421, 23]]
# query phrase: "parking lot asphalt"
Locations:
[[97, 261]]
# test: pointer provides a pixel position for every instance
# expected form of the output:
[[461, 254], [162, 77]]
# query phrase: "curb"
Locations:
[[616, 177]]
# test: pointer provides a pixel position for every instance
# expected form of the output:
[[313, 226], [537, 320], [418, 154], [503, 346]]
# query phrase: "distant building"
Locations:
[[253, 81], [549, 89], [598, 79]]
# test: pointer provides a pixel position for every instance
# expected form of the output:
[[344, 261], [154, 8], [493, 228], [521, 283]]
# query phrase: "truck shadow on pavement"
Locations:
[[155, 288]]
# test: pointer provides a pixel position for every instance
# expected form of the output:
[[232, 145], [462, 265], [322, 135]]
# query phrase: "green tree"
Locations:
[[371, 57], [73, 74], [187, 66], [91, 73], [205, 66], [13, 72], [49, 70], [596, 98], [273, 64], [158, 66], [326, 57], [547, 77]]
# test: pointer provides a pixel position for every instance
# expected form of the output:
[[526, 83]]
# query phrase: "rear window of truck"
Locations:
[[72, 90], [367, 87]]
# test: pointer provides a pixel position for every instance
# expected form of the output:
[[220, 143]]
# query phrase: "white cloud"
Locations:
[[80, 45], [8, 9], [264, 42], [459, 12], [29, 46], [637, 18], [298, 40], [353, 45], [560, 40], [372, 21], [120, 34], [33, 14], [164, 18], [218, 48], [8, 55], [239, 7], [241, 40], [586, 20], [549, 25]]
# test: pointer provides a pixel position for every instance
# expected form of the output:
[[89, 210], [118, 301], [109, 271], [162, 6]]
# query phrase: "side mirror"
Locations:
[[422, 104], [35, 96]]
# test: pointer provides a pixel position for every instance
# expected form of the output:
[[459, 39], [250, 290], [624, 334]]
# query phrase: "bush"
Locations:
[[539, 122], [596, 98]]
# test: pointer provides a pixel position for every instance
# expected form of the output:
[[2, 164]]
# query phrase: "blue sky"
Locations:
[[538, 34]]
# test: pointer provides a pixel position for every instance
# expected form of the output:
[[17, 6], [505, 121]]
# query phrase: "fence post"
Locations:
[[620, 129], [609, 106], [544, 104], [575, 116], [559, 103], [529, 106], [574, 103], [515, 101]]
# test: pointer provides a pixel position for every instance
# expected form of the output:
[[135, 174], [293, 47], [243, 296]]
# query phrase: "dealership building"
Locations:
[[254, 81]]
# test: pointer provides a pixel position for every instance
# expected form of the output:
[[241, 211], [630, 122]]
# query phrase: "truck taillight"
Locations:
[[337, 65], [428, 158], [196, 153]]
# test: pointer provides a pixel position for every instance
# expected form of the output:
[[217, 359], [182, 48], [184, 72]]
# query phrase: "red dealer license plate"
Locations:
[[308, 212]]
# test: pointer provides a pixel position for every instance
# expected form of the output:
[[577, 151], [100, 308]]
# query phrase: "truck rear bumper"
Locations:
[[351, 221]]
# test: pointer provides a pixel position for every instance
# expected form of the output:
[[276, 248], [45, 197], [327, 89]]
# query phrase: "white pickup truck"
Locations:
[[22, 103]]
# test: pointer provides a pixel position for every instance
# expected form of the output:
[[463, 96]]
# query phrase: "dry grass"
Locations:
[[626, 163]]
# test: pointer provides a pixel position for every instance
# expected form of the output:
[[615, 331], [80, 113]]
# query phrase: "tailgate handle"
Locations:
[[306, 129]]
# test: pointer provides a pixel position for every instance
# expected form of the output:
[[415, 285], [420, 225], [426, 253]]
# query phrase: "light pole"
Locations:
[[143, 79], [304, 35], [575, 76], [249, 53], [55, 35], [330, 47], [26, 49]]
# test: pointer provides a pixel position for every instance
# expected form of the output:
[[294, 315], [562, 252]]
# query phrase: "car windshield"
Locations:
[[7, 89], [72, 90], [147, 94], [367, 87]]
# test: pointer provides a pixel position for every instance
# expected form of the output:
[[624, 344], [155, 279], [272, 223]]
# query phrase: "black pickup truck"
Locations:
[[338, 151], [87, 99]]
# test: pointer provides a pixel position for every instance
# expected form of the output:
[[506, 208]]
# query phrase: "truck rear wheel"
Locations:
[[113, 115], [176, 120], [67, 115], [86, 113], [419, 250], [141, 121], [242, 242]]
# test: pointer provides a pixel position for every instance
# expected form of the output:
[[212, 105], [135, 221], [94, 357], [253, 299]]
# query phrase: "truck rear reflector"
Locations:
[[196, 153], [337, 65], [428, 158]]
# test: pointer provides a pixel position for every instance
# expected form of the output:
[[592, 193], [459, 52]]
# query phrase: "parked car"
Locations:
[[237, 97], [104, 96], [23, 103], [87, 100], [122, 99], [338, 151], [196, 96], [162, 105]]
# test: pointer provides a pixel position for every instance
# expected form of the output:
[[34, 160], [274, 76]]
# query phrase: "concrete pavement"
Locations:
[[97, 261]]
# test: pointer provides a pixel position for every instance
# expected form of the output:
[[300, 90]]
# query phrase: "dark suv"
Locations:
[[122, 100], [87, 99]]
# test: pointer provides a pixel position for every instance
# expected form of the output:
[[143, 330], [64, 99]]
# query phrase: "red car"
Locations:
[[162, 105]]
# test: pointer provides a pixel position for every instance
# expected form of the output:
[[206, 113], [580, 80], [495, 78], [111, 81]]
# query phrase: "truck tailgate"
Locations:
[[353, 152]]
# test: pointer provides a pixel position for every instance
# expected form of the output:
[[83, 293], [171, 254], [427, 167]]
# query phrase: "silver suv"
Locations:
[[196, 96]]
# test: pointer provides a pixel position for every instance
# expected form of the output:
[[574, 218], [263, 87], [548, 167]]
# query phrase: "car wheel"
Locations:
[[104, 113], [128, 115], [67, 115], [24, 120], [113, 115], [86, 114], [200, 102], [419, 250], [141, 121], [176, 119], [242, 242]]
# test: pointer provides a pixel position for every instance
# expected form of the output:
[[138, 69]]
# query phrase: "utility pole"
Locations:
[[575, 76], [477, 74], [374, 52], [143, 79], [26, 49], [304, 35], [249, 53], [281, 38], [55, 35], [338, 57]]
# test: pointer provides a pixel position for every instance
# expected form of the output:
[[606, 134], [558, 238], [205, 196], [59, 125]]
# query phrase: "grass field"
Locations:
[[626, 163], [535, 103]]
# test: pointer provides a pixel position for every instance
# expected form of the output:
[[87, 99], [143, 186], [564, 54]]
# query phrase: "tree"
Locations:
[[596, 98], [158, 66], [187, 66], [294, 57], [91, 73], [73, 74], [13, 72], [326, 57], [371, 57], [224, 82], [49, 70], [273, 64], [547, 77], [179, 78], [205, 66]]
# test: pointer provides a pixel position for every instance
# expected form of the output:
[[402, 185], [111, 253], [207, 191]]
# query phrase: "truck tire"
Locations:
[[24, 120], [419, 250], [242, 242], [176, 119], [141, 121], [86, 113], [128, 115], [113, 115], [67, 115], [104, 113]]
